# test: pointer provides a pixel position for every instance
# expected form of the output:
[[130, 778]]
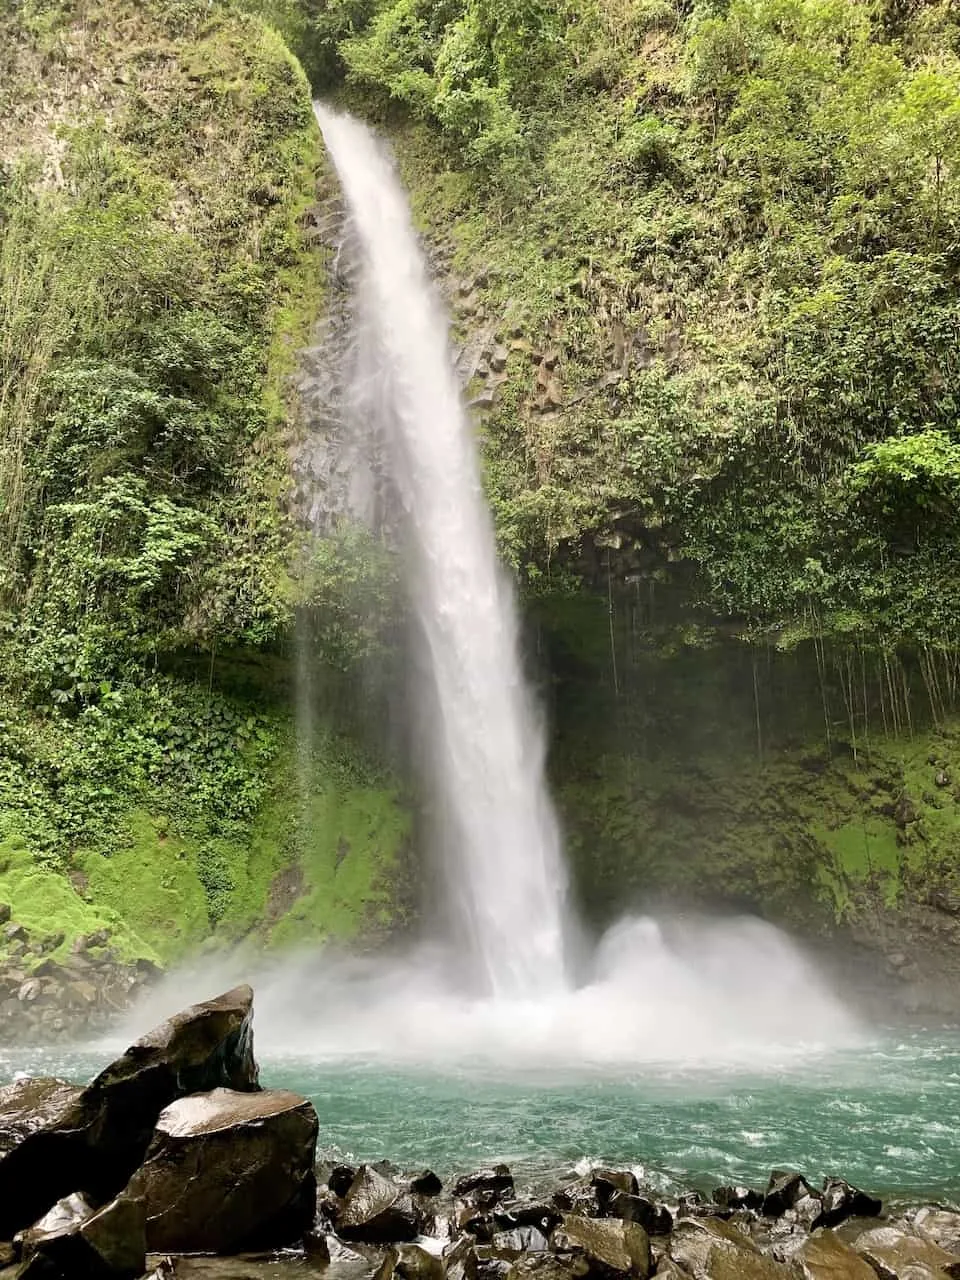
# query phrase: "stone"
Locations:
[[426, 1184], [340, 1179], [939, 1226], [498, 359], [576, 1197], [204, 1047], [497, 1181], [528, 1213], [519, 1240], [30, 991], [823, 1256], [783, 1191], [409, 1262], [730, 1197], [14, 932], [377, 1210], [699, 1245], [5, 912], [539, 1266], [656, 1219], [601, 1247], [895, 1254], [842, 1201], [228, 1171], [40, 1162], [72, 1242], [607, 1182]]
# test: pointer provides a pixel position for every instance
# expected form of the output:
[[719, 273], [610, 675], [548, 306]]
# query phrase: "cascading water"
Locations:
[[688, 989], [500, 844]]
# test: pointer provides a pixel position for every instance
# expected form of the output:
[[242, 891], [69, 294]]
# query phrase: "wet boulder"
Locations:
[[656, 1219], [527, 1213], [603, 1247], [377, 1210], [340, 1178], [207, 1046], [426, 1184], [55, 1139], [409, 1262], [486, 1186], [896, 1254], [824, 1256], [42, 1159], [842, 1201], [608, 1182], [75, 1242], [576, 1197], [783, 1191], [228, 1171], [733, 1198]]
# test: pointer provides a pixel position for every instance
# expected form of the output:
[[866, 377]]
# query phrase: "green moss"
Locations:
[[153, 885], [353, 840], [46, 903]]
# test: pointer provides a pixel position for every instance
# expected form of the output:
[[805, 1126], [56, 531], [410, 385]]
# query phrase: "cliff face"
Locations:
[[156, 283], [701, 262]]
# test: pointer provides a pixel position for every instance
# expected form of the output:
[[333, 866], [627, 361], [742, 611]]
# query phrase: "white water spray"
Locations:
[[499, 838]]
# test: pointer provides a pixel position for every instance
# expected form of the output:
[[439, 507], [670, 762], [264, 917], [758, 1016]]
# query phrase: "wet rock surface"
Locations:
[[227, 1171], [56, 1139]]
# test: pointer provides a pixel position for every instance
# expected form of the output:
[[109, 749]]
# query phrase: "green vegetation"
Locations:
[[707, 253], [156, 162]]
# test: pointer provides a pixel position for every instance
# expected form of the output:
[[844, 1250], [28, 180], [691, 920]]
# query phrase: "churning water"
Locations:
[[496, 832]]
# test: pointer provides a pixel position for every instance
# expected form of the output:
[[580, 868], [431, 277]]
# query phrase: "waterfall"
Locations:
[[495, 826]]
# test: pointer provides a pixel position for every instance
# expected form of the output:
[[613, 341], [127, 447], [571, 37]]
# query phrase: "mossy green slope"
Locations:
[[156, 284]]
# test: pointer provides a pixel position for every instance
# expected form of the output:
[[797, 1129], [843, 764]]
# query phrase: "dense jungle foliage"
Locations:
[[703, 262], [732, 226]]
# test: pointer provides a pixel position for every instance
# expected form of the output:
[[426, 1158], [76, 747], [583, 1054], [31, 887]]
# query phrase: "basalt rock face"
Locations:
[[56, 1140], [228, 1171]]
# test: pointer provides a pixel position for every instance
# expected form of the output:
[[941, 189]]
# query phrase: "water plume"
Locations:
[[496, 834]]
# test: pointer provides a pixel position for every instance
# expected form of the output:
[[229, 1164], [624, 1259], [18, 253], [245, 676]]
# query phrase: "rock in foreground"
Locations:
[[228, 1171], [56, 1140]]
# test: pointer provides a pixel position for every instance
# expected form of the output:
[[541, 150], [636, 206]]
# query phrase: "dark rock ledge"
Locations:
[[174, 1163]]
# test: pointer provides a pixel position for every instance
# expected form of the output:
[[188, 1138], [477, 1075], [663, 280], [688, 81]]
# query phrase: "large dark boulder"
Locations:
[[228, 1171], [783, 1192], [41, 1149], [842, 1201], [377, 1210], [55, 1139], [656, 1219], [75, 1242]]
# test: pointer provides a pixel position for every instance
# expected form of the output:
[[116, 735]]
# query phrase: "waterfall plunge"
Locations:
[[497, 833], [732, 991]]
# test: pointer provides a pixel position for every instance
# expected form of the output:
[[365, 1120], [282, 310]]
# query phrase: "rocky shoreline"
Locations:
[[174, 1162], [47, 996]]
